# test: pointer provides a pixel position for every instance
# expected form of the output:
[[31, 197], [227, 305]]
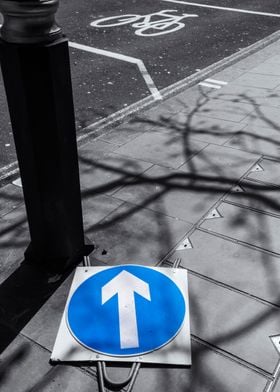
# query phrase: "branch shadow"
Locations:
[[137, 208]]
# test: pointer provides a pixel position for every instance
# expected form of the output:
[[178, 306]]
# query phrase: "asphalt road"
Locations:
[[115, 66]]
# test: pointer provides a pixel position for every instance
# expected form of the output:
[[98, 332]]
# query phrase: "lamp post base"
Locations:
[[39, 92]]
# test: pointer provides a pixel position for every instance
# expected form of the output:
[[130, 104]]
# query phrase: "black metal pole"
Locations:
[[36, 72]]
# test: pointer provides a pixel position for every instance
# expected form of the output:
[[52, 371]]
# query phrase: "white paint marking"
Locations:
[[204, 84], [141, 66], [154, 24], [212, 83], [224, 8], [124, 285], [17, 182], [216, 81]]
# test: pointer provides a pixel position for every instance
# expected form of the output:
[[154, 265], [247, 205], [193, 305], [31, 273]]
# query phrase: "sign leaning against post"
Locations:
[[36, 71], [127, 313]]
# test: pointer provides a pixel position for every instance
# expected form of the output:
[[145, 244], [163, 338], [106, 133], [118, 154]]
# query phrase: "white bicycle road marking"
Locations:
[[223, 8], [141, 66], [154, 24]]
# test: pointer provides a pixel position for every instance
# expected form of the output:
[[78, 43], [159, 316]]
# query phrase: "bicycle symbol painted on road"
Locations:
[[158, 23]]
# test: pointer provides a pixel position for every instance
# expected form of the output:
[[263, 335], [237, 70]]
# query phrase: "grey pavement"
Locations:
[[195, 177]]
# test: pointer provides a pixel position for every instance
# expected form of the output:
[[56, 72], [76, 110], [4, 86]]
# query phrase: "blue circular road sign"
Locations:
[[126, 310]]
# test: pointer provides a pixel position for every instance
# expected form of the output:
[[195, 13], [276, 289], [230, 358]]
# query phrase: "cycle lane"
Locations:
[[204, 40], [213, 35]]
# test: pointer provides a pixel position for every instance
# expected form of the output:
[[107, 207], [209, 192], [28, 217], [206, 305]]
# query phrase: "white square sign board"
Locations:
[[126, 313]]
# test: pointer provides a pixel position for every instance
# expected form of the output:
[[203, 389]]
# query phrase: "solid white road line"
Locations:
[[141, 66], [224, 8]]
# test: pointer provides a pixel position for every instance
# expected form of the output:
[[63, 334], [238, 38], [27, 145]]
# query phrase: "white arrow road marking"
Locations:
[[125, 284]]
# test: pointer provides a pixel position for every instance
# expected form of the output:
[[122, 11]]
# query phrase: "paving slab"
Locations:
[[220, 163], [271, 99], [269, 173], [190, 98], [65, 378], [257, 140], [237, 93], [258, 80], [226, 110], [14, 238], [242, 224], [234, 322], [251, 95], [161, 149], [210, 371], [268, 67], [43, 327], [263, 116], [22, 365], [95, 150], [170, 106], [159, 113], [273, 59], [108, 174], [233, 264], [252, 194], [277, 387], [173, 193], [233, 72], [96, 208], [203, 128], [17, 215], [10, 197], [123, 133], [233, 111], [135, 235]]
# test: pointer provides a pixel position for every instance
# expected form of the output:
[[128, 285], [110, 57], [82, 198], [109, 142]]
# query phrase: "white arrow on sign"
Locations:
[[125, 285]]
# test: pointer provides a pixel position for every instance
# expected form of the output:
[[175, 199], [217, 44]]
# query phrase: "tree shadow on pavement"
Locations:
[[150, 187]]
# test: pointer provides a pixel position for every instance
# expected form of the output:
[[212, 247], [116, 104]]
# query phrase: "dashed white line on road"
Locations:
[[224, 8], [213, 83], [205, 84], [216, 81], [141, 66]]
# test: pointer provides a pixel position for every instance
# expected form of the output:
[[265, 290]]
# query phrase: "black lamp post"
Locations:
[[36, 71]]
